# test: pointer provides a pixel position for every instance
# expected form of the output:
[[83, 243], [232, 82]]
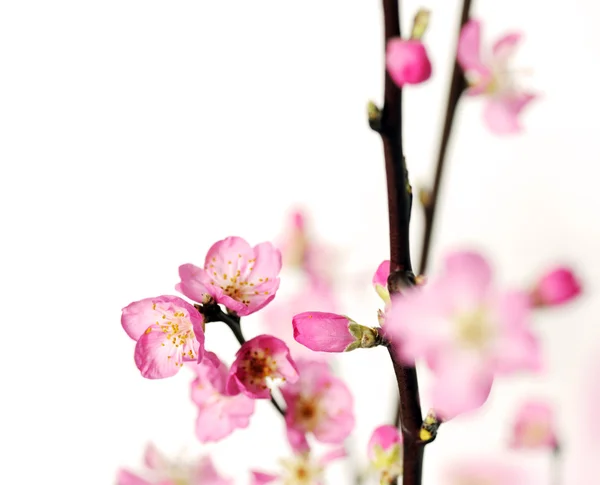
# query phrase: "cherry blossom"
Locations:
[[168, 331], [318, 403], [219, 413], [260, 361], [241, 277], [534, 426], [490, 76]]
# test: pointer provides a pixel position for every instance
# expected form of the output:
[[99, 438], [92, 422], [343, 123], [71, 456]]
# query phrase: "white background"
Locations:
[[133, 134]]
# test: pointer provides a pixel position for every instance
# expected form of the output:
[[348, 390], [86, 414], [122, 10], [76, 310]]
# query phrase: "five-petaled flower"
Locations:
[[241, 277], [260, 361], [318, 403], [466, 330], [168, 331], [491, 77], [219, 413]]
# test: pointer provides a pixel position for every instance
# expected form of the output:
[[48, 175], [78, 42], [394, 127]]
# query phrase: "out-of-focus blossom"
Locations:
[[490, 76], [318, 403], [466, 330], [487, 472], [168, 331], [161, 471], [380, 281], [534, 426], [301, 469], [219, 413], [558, 286], [385, 452], [407, 61], [258, 362], [278, 316], [241, 277]]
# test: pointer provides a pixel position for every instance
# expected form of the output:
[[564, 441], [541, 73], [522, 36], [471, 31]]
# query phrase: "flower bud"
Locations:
[[407, 61], [385, 451], [556, 287]]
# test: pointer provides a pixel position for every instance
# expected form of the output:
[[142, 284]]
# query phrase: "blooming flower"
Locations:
[[492, 78], [279, 314], [219, 413], [258, 361], [407, 61], [385, 452], [487, 472], [534, 426], [465, 329], [318, 403], [302, 469], [161, 471], [168, 331], [558, 286], [242, 278]]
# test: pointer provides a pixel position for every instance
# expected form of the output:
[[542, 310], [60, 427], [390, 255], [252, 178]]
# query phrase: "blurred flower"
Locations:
[[278, 316], [407, 61], [465, 329], [258, 361], [168, 331], [493, 78], [219, 413], [534, 426], [161, 471], [385, 452], [558, 286], [299, 470], [242, 278], [318, 403], [487, 472]]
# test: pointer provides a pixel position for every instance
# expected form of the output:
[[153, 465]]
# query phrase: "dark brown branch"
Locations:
[[457, 86]]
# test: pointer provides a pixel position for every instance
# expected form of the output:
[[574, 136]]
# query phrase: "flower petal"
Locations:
[[156, 356], [502, 114]]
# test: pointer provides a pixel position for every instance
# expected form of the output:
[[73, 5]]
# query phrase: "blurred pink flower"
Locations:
[[301, 469], [487, 472], [557, 286], [385, 451], [161, 471], [168, 331], [278, 316], [219, 413], [407, 61], [318, 403], [465, 329], [534, 426], [491, 77], [258, 361], [242, 278], [323, 332]]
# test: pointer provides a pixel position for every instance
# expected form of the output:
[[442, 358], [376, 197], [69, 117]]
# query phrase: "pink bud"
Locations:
[[534, 426], [556, 287], [384, 448], [407, 61], [324, 332]]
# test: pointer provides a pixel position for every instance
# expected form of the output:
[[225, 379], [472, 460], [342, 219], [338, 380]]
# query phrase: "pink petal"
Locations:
[[556, 287], [407, 61], [228, 249], [320, 331], [222, 415], [332, 455], [469, 46], [156, 356], [260, 478], [297, 439], [154, 459], [505, 46], [125, 477], [470, 277], [502, 114], [195, 284], [534, 426], [207, 474], [381, 275], [339, 422], [385, 436], [487, 472]]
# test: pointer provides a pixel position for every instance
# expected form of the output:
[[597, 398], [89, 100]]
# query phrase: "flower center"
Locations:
[[301, 471], [259, 366], [535, 434], [474, 329], [177, 327], [307, 413]]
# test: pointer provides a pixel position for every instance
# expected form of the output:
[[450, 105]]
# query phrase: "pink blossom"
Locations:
[[465, 329], [491, 77], [278, 316], [242, 278], [407, 61], [219, 413], [324, 332], [558, 286], [380, 281], [162, 471], [168, 331], [318, 403], [479, 471], [260, 360], [385, 451], [301, 469], [534, 426]]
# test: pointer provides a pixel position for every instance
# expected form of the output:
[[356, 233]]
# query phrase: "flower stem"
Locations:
[[556, 465], [214, 313]]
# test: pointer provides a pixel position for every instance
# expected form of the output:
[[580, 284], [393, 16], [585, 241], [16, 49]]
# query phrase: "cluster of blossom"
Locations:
[[465, 328]]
